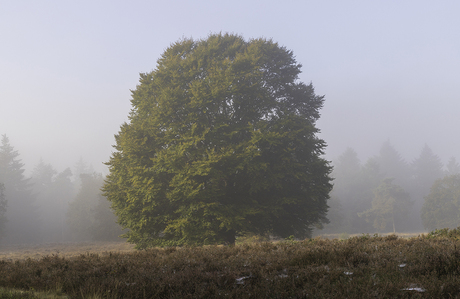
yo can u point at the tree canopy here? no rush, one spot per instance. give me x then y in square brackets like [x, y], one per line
[221, 140]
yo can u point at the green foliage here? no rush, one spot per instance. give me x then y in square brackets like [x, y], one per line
[221, 141]
[391, 203]
[441, 208]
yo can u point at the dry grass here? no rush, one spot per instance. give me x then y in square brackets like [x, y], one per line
[67, 250]
[426, 266]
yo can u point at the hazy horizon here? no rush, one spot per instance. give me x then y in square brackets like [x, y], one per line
[388, 70]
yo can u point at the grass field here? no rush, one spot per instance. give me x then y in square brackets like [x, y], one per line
[37, 251]
[426, 266]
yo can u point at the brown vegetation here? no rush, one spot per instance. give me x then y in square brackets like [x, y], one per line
[359, 267]
[70, 249]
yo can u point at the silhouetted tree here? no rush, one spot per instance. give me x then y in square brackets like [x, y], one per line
[89, 216]
[346, 190]
[3, 205]
[392, 165]
[105, 227]
[221, 141]
[441, 208]
[23, 223]
[54, 192]
[452, 167]
[426, 169]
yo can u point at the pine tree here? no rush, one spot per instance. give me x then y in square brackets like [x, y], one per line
[54, 192]
[441, 208]
[452, 167]
[392, 165]
[3, 205]
[23, 223]
[426, 169]
[89, 216]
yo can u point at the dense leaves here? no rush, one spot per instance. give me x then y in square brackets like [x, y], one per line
[221, 140]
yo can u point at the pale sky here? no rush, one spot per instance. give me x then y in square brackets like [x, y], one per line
[388, 69]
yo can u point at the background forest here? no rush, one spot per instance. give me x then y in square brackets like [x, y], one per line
[51, 206]
[384, 194]
[389, 194]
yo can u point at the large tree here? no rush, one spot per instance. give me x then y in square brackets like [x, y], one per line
[221, 140]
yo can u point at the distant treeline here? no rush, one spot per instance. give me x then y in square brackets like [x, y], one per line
[384, 194]
[387, 194]
[51, 206]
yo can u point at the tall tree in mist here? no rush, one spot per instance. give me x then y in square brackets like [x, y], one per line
[221, 141]
[452, 167]
[426, 169]
[81, 167]
[441, 208]
[23, 222]
[389, 206]
[347, 184]
[392, 165]
[89, 216]
[54, 192]
[81, 212]
[3, 204]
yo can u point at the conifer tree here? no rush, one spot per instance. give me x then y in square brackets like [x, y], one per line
[54, 192]
[3, 205]
[426, 169]
[221, 141]
[392, 165]
[441, 208]
[23, 222]
[452, 167]
[89, 216]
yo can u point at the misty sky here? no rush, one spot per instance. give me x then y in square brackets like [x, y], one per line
[388, 69]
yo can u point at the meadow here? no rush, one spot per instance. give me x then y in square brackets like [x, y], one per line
[425, 266]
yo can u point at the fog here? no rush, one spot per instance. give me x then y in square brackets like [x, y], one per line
[389, 70]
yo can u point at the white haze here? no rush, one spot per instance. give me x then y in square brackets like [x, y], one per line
[388, 69]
